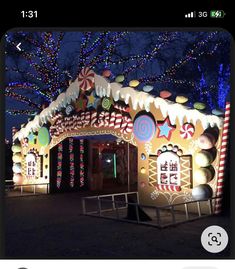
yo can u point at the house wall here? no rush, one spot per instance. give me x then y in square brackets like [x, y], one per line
[149, 191]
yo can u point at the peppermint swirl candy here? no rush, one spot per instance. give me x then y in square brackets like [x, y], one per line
[144, 128]
[86, 79]
[187, 131]
[106, 103]
[69, 109]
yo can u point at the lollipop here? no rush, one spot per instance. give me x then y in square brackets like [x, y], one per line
[144, 128]
[86, 79]
[187, 131]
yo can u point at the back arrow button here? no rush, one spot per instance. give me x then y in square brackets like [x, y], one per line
[18, 46]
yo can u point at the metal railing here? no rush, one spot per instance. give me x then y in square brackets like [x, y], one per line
[27, 189]
[105, 198]
[161, 216]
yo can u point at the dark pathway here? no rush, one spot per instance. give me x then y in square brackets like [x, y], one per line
[51, 226]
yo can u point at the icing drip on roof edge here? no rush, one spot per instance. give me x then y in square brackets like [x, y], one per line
[115, 90]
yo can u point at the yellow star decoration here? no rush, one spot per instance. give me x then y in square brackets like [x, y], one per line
[91, 99]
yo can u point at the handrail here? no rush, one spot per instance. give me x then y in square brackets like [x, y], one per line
[10, 188]
[152, 206]
[107, 195]
[172, 207]
[24, 185]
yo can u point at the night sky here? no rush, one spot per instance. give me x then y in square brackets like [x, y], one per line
[186, 63]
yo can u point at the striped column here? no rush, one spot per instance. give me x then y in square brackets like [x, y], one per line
[223, 153]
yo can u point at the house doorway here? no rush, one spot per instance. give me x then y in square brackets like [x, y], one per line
[101, 164]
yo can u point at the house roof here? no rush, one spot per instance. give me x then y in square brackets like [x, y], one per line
[138, 99]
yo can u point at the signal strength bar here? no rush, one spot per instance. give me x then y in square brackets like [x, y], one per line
[191, 14]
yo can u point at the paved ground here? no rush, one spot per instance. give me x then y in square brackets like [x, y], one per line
[51, 226]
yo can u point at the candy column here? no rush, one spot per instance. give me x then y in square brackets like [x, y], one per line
[223, 153]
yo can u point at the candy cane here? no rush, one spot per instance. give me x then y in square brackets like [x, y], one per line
[118, 121]
[122, 108]
[123, 125]
[106, 119]
[100, 122]
[129, 126]
[112, 119]
[223, 151]
[87, 119]
[93, 118]
[74, 121]
[79, 122]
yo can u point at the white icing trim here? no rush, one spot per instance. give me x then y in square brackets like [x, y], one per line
[142, 100]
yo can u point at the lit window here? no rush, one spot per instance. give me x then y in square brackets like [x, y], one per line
[31, 163]
[168, 167]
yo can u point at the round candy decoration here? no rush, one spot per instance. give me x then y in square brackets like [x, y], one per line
[165, 94]
[69, 109]
[43, 136]
[17, 178]
[202, 175]
[142, 170]
[17, 158]
[106, 103]
[187, 131]
[143, 157]
[206, 141]
[16, 148]
[134, 83]
[203, 158]
[106, 73]
[16, 168]
[199, 105]
[120, 78]
[180, 99]
[144, 128]
[217, 112]
[170, 147]
[86, 79]
[180, 152]
[147, 88]
[201, 192]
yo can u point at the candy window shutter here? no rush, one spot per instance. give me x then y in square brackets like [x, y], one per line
[186, 172]
[152, 170]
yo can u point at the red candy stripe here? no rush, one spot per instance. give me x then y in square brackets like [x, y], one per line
[168, 188]
[223, 151]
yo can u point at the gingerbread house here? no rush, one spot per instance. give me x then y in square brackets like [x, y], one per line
[180, 149]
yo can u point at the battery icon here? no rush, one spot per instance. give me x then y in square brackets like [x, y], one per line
[217, 13]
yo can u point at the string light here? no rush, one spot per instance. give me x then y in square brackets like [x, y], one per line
[17, 112]
[190, 55]
[163, 39]
[82, 173]
[59, 165]
[21, 98]
[223, 85]
[47, 79]
[82, 59]
[71, 162]
[107, 51]
[97, 50]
